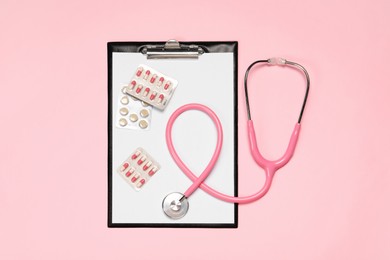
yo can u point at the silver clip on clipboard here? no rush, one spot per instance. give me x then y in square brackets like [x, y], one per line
[172, 49]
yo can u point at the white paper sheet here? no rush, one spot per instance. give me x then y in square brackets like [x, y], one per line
[208, 81]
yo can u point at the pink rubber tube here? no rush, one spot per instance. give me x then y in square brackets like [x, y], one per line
[269, 167]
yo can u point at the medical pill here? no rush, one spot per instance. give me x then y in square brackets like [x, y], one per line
[147, 73]
[130, 172]
[144, 113]
[143, 124]
[124, 90]
[147, 165]
[167, 85]
[140, 183]
[133, 118]
[144, 103]
[135, 155]
[125, 100]
[153, 96]
[141, 160]
[122, 122]
[160, 81]
[160, 98]
[136, 176]
[132, 84]
[124, 166]
[139, 88]
[139, 71]
[153, 79]
[152, 171]
[146, 92]
[123, 111]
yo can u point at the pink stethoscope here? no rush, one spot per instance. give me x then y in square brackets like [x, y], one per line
[175, 205]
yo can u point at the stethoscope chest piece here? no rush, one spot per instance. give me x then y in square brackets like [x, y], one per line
[175, 205]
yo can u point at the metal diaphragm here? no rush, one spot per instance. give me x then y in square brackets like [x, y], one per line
[175, 205]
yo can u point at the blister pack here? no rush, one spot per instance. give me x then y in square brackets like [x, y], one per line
[132, 113]
[151, 87]
[138, 169]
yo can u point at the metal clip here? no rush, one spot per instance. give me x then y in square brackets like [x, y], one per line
[172, 49]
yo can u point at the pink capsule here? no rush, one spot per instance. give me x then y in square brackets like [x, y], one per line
[132, 84]
[139, 71]
[153, 79]
[153, 96]
[160, 98]
[130, 172]
[146, 92]
[124, 167]
[147, 73]
[160, 81]
[147, 165]
[135, 177]
[167, 85]
[139, 88]
[140, 183]
[135, 155]
[152, 171]
[141, 160]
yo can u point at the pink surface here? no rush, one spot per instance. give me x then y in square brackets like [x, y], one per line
[330, 202]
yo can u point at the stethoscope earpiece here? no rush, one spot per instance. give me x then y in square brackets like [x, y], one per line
[278, 62]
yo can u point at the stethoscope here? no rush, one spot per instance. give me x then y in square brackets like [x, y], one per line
[175, 205]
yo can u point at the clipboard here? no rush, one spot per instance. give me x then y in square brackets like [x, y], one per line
[207, 74]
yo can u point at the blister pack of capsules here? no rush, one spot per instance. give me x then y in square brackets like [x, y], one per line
[138, 169]
[151, 87]
[132, 113]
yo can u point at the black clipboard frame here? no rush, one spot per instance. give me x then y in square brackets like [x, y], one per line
[208, 47]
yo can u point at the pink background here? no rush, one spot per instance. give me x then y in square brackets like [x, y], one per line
[330, 202]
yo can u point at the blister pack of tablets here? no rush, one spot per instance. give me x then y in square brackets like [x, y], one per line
[151, 87]
[132, 113]
[138, 169]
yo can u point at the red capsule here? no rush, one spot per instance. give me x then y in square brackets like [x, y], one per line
[141, 160]
[167, 85]
[160, 81]
[135, 177]
[139, 88]
[152, 171]
[130, 172]
[132, 84]
[124, 167]
[147, 73]
[146, 92]
[140, 183]
[135, 155]
[147, 165]
[153, 96]
[153, 79]
[139, 71]
[160, 98]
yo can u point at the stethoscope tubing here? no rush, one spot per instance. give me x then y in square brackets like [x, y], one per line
[198, 182]
[270, 167]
